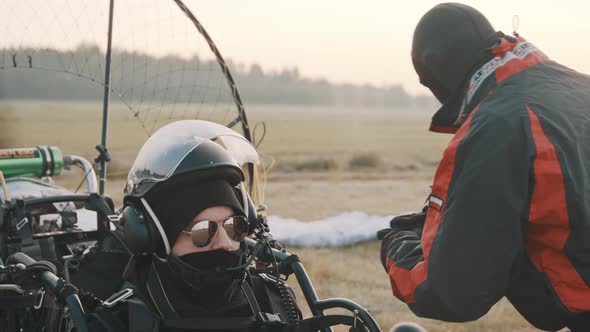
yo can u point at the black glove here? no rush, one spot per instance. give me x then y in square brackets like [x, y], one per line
[382, 233]
[409, 222]
[413, 222]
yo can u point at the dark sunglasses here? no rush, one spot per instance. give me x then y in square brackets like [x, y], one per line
[202, 231]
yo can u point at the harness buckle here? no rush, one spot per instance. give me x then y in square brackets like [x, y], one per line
[114, 218]
[268, 317]
[39, 302]
[118, 297]
[22, 223]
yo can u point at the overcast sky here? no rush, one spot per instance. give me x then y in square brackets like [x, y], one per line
[370, 41]
[342, 41]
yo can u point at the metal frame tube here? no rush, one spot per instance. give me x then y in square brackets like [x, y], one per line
[55, 199]
[362, 313]
[308, 291]
[12, 287]
[4, 188]
[53, 282]
[89, 173]
[316, 305]
[106, 98]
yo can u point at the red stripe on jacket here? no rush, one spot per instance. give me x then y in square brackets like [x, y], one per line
[515, 65]
[549, 226]
[403, 281]
[443, 130]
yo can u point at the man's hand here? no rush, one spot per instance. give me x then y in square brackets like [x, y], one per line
[413, 222]
[403, 227]
[409, 222]
[382, 233]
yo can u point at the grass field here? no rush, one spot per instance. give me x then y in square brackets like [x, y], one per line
[326, 161]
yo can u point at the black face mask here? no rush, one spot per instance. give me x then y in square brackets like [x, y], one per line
[205, 272]
[209, 260]
[438, 89]
[203, 283]
[427, 79]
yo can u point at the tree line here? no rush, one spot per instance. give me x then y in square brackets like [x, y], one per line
[77, 75]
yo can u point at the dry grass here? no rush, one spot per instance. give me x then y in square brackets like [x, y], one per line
[407, 157]
[365, 160]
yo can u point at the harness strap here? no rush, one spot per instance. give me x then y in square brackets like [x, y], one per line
[171, 319]
[159, 297]
[249, 293]
[23, 224]
[47, 246]
[255, 307]
[141, 318]
[107, 321]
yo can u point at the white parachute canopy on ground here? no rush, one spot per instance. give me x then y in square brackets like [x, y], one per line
[337, 231]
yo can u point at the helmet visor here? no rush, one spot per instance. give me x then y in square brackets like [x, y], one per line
[164, 151]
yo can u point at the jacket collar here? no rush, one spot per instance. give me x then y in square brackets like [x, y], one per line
[511, 56]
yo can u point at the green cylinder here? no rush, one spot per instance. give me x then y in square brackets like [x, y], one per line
[39, 161]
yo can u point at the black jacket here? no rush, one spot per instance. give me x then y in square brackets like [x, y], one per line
[148, 312]
[509, 213]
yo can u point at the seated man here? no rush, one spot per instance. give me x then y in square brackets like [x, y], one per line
[185, 218]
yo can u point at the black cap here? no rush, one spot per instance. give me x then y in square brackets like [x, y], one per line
[450, 42]
[177, 205]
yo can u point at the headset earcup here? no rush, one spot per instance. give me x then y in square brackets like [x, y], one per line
[135, 230]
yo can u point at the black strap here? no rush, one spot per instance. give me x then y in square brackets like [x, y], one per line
[141, 318]
[48, 248]
[278, 296]
[249, 293]
[171, 319]
[23, 224]
[255, 307]
[106, 320]
[159, 297]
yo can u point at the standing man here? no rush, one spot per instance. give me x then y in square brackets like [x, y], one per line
[509, 212]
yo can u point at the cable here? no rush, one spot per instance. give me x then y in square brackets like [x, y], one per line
[254, 140]
[288, 301]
